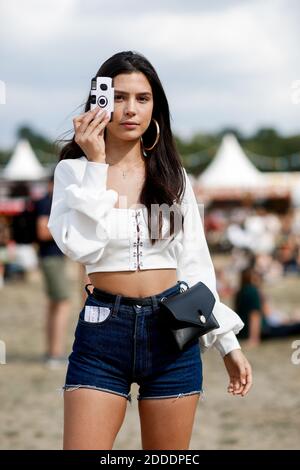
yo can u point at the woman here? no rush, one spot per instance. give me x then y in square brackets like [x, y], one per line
[133, 261]
[261, 321]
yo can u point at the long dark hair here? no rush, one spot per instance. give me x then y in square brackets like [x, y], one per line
[164, 182]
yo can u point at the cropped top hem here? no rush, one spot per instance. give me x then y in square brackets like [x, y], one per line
[91, 269]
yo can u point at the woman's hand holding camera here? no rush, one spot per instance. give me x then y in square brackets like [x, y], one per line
[89, 134]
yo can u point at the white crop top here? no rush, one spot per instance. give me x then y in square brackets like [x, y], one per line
[89, 229]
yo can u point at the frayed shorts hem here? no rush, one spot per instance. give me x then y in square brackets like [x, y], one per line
[178, 395]
[70, 388]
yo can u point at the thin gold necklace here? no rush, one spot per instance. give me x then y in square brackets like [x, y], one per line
[124, 173]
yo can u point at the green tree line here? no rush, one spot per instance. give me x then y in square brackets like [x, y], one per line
[266, 148]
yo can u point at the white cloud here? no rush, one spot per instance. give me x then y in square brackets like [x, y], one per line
[34, 22]
[221, 62]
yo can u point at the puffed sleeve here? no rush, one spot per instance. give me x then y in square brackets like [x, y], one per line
[194, 265]
[79, 210]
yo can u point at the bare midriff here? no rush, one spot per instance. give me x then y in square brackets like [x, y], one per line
[141, 283]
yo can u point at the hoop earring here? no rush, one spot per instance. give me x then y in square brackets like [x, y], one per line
[155, 142]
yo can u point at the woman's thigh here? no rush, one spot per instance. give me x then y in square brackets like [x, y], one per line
[167, 423]
[92, 418]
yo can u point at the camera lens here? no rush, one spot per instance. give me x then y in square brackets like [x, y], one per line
[102, 101]
[93, 99]
[103, 86]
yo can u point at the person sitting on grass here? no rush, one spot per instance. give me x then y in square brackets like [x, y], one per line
[261, 322]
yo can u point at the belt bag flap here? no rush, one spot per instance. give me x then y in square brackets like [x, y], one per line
[194, 306]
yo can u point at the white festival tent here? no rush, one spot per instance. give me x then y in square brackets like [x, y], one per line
[231, 169]
[23, 164]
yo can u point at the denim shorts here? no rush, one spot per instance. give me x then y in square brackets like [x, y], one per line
[122, 340]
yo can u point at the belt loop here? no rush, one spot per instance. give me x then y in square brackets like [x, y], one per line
[116, 305]
[154, 301]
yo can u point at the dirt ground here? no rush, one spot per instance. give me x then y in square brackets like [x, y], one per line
[31, 412]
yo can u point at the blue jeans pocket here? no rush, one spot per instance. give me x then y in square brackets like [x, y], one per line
[93, 327]
[95, 313]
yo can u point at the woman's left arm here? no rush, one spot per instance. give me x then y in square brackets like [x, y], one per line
[239, 371]
[194, 265]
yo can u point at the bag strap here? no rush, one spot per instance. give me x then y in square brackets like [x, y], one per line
[88, 290]
[183, 282]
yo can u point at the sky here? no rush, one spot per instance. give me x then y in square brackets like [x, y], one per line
[222, 63]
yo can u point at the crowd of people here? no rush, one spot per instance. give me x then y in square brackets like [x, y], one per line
[26, 244]
[273, 238]
[264, 248]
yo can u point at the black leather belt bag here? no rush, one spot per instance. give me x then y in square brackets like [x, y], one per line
[189, 313]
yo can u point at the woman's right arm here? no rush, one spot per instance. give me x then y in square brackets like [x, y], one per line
[78, 218]
[79, 211]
